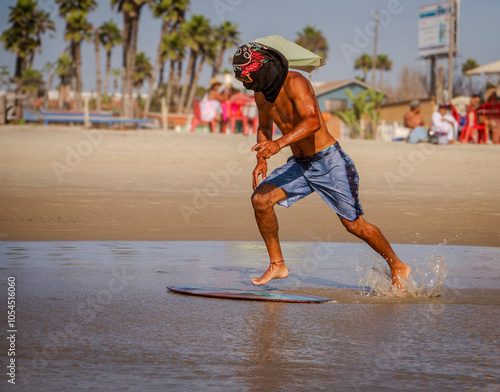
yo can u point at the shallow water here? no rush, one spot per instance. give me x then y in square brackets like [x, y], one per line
[97, 315]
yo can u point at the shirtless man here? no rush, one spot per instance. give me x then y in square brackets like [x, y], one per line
[318, 163]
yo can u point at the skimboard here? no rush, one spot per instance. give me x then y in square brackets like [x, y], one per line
[247, 295]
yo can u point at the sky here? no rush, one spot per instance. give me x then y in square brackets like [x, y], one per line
[339, 20]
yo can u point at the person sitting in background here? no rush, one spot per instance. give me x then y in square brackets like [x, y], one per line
[443, 123]
[210, 105]
[475, 101]
[413, 119]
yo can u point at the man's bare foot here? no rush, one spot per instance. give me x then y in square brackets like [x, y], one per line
[277, 270]
[399, 274]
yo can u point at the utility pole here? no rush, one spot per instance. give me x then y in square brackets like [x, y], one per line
[451, 48]
[375, 42]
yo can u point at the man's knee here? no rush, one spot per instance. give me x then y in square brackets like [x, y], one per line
[358, 227]
[262, 198]
[261, 201]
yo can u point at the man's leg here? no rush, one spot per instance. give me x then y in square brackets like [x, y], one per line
[374, 237]
[263, 200]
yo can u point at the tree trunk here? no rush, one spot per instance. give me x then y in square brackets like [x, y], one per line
[194, 85]
[217, 66]
[131, 68]
[78, 51]
[108, 69]
[381, 78]
[126, 44]
[98, 69]
[176, 87]
[49, 86]
[189, 71]
[171, 84]
[20, 65]
[164, 29]
[73, 76]
[160, 83]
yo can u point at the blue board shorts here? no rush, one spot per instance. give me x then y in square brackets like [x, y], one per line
[329, 172]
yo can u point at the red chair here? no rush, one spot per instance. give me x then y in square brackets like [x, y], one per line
[198, 121]
[238, 111]
[473, 132]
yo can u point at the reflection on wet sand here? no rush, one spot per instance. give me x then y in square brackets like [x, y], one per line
[105, 321]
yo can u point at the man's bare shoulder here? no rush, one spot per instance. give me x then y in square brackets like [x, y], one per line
[295, 78]
[296, 83]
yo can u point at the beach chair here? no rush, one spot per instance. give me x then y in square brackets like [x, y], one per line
[198, 121]
[238, 112]
[473, 132]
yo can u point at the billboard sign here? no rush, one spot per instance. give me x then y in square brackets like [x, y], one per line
[434, 27]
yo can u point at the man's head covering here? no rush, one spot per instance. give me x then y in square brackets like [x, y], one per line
[260, 68]
[414, 104]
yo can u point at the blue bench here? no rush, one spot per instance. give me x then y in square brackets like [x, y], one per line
[31, 115]
[48, 113]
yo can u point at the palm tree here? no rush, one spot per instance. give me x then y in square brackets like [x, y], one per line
[97, 48]
[64, 69]
[50, 70]
[466, 67]
[171, 11]
[313, 40]
[115, 72]
[227, 35]
[31, 82]
[383, 64]
[4, 77]
[197, 32]
[42, 23]
[143, 71]
[131, 10]
[77, 29]
[173, 49]
[365, 104]
[208, 52]
[28, 23]
[364, 62]
[109, 35]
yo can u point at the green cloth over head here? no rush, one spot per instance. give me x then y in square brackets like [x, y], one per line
[297, 56]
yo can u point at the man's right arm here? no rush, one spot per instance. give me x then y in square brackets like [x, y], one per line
[265, 129]
[264, 132]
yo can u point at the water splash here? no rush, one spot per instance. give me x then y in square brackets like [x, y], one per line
[426, 279]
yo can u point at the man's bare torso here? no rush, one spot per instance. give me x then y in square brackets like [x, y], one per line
[285, 115]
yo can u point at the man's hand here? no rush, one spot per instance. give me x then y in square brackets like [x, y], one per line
[260, 169]
[266, 149]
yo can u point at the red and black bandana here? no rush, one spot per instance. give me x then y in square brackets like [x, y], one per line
[260, 68]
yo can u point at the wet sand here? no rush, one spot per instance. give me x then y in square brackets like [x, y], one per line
[63, 183]
[97, 316]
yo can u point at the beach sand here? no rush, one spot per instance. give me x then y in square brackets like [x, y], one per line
[68, 183]
[117, 216]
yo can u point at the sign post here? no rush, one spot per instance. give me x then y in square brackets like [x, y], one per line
[437, 36]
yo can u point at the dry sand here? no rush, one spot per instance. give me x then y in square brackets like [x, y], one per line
[66, 183]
